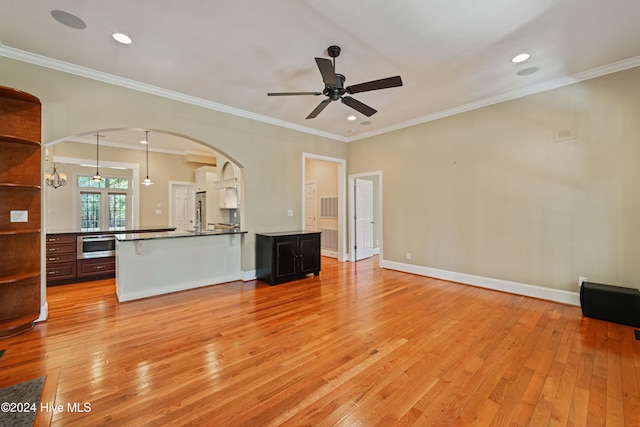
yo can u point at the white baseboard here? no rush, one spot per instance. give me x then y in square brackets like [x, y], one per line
[44, 312]
[248, 275]
[556, 295]
[329, 253]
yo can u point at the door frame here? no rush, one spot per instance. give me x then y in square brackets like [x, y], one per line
[315, 203]
[352, 220]
[342, 206]
[171, 185]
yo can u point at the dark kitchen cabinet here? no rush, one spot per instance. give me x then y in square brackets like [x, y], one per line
[61, 257]
[286, 256]
[97, 267]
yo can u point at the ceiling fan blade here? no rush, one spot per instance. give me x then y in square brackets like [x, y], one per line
[359, 106]
[375, 85]
[328, 73]
[319, 108]
[292, 93]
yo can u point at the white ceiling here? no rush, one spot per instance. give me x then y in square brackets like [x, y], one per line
[453, 55]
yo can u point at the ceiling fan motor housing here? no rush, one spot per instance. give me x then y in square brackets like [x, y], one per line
[334, 86]
[335, 92]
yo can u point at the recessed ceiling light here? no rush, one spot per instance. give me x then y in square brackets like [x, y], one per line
[71, 21]
[351, 118]
[122, 38]
[365, 123]
[520, 58]
[528, 71]
[353, 130]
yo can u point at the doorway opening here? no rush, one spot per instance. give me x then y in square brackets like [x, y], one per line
[324, 202]
[181, 203]
[365, 225]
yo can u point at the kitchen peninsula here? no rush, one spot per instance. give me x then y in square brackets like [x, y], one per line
[76, 256]
[149, 264]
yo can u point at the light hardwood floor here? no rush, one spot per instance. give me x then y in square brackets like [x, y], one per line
[356, 346]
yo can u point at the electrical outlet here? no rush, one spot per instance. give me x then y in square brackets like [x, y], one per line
[289, 212]
[582, 279]
[408, 255]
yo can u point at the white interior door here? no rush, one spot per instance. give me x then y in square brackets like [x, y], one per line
[310, 206]
[364, 218]
[183, 203]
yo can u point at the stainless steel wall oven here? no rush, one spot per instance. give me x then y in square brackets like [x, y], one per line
[96, 246]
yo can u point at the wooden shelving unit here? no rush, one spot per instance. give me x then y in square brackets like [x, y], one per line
[20, 206]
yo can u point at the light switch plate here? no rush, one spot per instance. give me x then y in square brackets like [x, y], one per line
[19, 216]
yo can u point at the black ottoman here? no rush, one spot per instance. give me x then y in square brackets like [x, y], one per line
[611, 303]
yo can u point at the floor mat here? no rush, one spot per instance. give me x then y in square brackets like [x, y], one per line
[20, 403]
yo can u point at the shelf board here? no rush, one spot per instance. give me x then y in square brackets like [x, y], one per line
[4, 280]
[17, 140]
[11, 93]
[15, 232]
[11, 327]
[20, 186]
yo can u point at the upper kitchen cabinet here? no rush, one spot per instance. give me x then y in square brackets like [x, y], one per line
[228, 188]
[20, 181]
[206, 176]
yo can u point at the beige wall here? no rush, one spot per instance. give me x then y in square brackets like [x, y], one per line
[487, 192]
[490, 193]
[270, 156]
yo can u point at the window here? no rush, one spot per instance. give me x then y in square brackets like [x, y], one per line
[104, 205]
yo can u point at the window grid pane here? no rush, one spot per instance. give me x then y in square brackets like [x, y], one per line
[87, 182]
[90, 211]
[120, 183]
[117, 211]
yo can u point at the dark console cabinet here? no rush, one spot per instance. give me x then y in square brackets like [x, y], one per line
[286, 256]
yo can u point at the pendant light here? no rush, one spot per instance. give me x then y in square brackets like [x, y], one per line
[147, 181]
[97, 177]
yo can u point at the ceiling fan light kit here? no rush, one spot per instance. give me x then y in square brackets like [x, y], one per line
[334, 86]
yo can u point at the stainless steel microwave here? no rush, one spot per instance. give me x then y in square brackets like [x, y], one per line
[96, 246]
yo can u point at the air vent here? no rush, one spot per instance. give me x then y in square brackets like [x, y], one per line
[329, 207]
[329, 239]
[563, 135]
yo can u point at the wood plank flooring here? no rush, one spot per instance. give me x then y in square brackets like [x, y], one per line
[356, 346]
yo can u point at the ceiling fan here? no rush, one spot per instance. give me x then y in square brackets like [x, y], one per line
[334, 86]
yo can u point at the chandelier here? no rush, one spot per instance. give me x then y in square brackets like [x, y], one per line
[55, 179]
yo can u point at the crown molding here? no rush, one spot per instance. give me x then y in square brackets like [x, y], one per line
[66, 67]
[138, 147]
[511, 95]
[100, 76]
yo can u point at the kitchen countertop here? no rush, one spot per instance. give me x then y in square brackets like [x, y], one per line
[287, 233]
[157, 228]
[124, 237]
